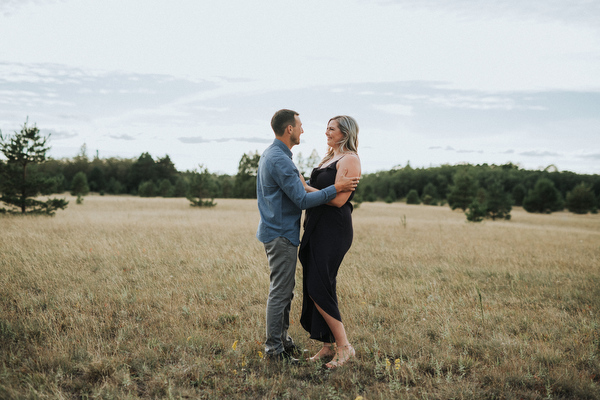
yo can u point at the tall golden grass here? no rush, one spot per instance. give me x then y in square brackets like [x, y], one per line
[124, 297]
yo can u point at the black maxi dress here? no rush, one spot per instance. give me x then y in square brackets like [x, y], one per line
[326, 239]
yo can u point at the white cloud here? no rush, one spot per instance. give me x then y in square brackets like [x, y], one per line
[395, 109]
[591, 156]
[58, 135]
[200, 139]
[475, 101]
[539, 153]
[578, 11]
[122, 137]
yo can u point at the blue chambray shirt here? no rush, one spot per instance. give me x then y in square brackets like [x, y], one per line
[281, 195]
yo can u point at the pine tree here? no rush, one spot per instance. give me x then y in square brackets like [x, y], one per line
[581, 199]
[79, 186]
[201, 186]
[498, 202]
[430, 194]
[544, 198]
[19, 182]
[463, 191]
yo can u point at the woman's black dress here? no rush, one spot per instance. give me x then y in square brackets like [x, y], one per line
[327, 237]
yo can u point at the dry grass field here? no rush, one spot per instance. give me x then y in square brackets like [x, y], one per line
[124, 297]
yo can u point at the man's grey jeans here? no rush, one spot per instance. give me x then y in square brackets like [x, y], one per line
[282, 256]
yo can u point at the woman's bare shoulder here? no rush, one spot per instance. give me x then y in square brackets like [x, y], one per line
[350, 161]
[351, 158]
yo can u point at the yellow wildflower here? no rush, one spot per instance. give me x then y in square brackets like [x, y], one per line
[234, 345]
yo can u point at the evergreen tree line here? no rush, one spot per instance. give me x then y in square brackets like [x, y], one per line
[454, 185]
[484, 190]
[143, 176]
[26, 172]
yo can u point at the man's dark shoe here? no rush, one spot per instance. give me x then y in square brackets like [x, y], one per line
[282, 357]
[293, 350]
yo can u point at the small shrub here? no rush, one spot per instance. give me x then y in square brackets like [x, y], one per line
[581, 199]
[147, 189]
[413, 197]
[165, 188]
[428, 200]
[201, 203]
[476, 212]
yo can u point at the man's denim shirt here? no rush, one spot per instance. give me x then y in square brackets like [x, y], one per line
[281, 195]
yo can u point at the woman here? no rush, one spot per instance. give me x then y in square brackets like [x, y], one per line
[326, 239]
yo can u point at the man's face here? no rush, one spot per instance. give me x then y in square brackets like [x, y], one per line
[296, 132]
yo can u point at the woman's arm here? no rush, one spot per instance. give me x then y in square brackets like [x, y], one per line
[351, 163]
[306, 186]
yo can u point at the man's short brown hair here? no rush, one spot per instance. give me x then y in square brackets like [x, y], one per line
[281, 119]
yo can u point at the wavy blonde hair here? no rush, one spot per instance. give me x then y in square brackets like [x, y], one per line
[349, 143]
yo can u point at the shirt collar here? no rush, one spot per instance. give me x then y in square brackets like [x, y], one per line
[283, 147]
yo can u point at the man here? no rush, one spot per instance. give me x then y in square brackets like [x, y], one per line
[281, 199]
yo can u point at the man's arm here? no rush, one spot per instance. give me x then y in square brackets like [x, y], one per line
[287, 177]
[342, 183]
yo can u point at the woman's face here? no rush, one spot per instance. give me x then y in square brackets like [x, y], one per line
[333, 133]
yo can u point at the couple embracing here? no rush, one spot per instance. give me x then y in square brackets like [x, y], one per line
[282, 195]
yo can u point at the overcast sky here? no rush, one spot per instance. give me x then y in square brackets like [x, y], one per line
[429, 81]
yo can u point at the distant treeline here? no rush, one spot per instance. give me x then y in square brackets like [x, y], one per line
[148, 177]
[447, 183]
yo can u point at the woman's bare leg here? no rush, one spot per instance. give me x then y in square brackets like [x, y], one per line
[344, 350]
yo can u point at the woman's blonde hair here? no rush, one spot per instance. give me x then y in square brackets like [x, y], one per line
[349, 143]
